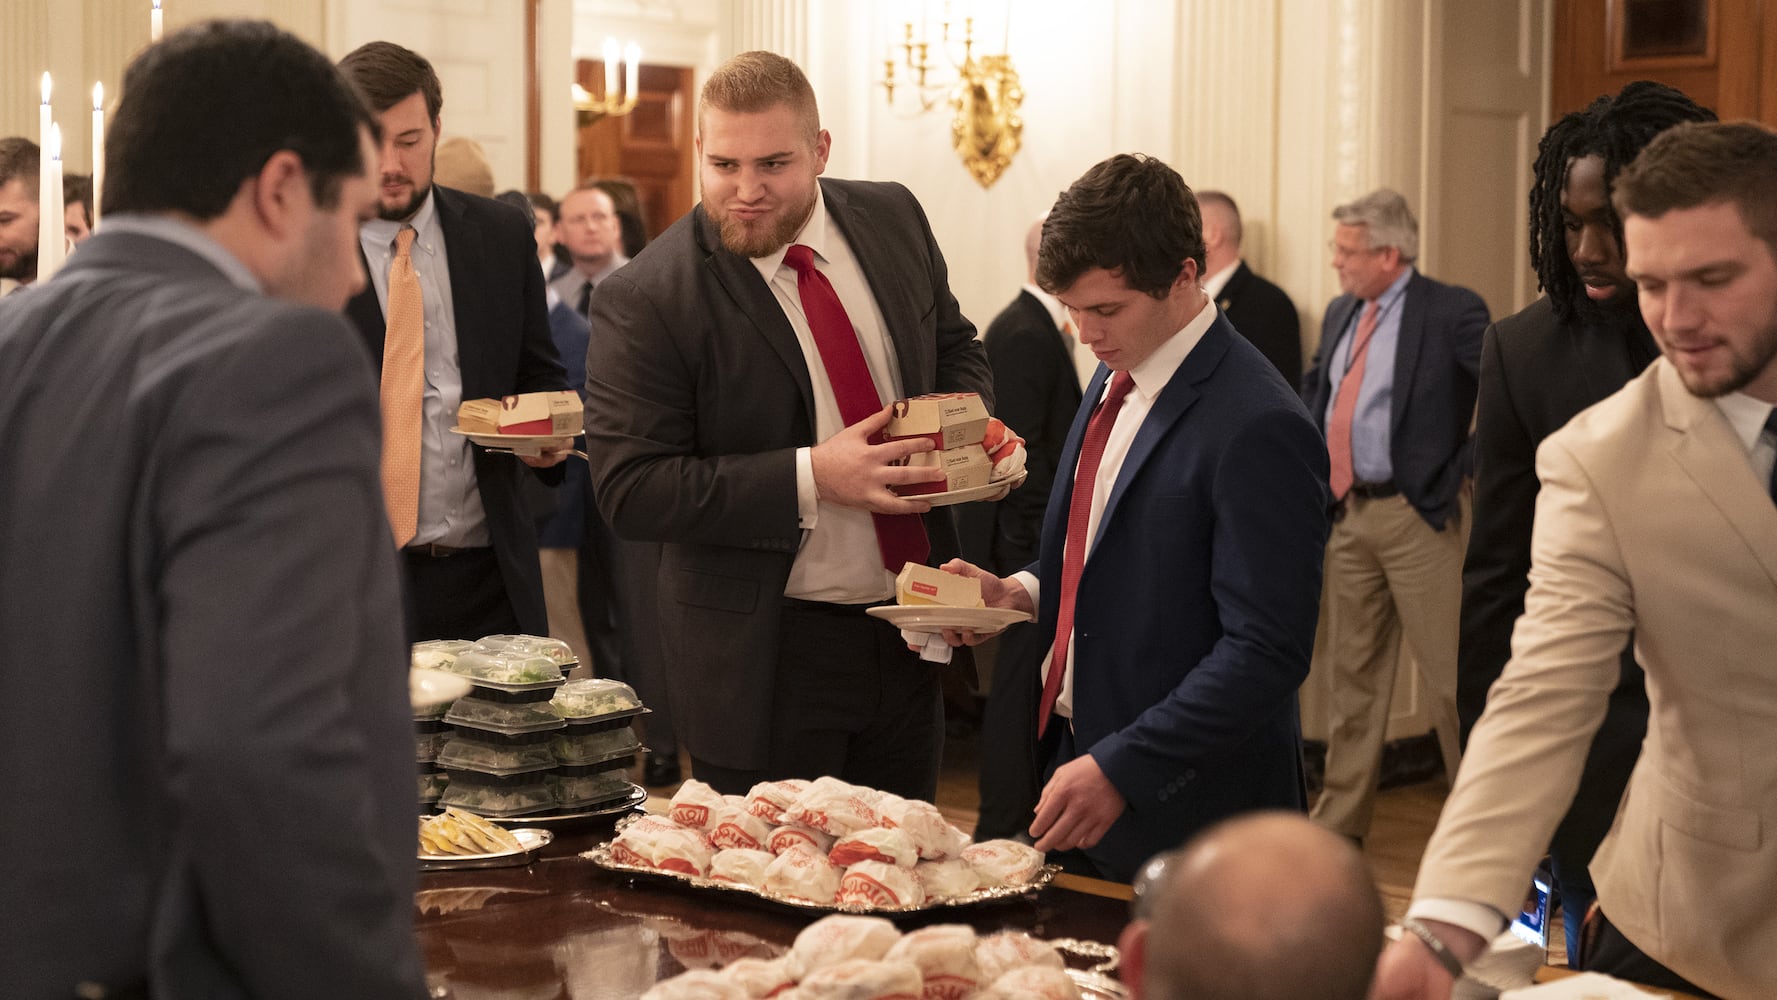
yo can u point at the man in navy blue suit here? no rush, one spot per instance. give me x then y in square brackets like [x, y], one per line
[1393, 387]
[1179, 570]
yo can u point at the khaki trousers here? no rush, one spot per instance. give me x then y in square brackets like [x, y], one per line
[1387, 573]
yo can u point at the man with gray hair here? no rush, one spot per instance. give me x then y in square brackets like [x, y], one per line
[1393, 389]
[1215, 922]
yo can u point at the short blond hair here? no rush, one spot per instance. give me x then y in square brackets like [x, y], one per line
[759, 81]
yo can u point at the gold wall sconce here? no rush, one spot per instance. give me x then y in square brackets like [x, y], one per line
[983, 93]
[618, 99]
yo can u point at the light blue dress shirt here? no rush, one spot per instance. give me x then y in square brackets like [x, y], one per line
[450, 499]
[1370, 458]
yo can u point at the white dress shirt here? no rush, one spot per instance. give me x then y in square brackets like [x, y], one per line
[839, 561]
[1150, 376]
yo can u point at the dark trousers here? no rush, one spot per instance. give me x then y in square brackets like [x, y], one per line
[457, 596]
[636, 570]
[1011, 771]
[850, 701]
[1606, 950]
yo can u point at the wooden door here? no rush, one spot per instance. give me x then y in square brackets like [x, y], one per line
[650, 146]
[1723, 53]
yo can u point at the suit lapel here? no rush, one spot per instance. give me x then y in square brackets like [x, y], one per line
[468, 271]
[882, 271]
[1168, 407]
[1231, 291]
[1704, 447]
[1406, 351]
[366, 312]
[754, 303]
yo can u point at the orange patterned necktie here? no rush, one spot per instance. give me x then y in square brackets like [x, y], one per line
[403, 391]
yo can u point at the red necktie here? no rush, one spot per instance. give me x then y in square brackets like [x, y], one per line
[1073, 555]
[900, 537]
[1345, 405]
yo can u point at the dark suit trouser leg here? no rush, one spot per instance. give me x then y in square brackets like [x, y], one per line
[637, 577]
[460, 596]
[1011, 775]
[598, 595]
[1606, 950]
[851, 701]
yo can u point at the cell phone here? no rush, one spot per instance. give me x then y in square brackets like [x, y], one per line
[1532, 924]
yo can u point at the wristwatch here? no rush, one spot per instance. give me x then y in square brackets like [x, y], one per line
[1439, 950]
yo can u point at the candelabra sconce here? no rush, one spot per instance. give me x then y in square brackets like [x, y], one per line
[984, 96]
[618, 100]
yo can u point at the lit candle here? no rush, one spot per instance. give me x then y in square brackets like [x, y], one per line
[49, 210]
[154, 22]
[632, 55]
[98, 148]
[52, 240]
[610, 70]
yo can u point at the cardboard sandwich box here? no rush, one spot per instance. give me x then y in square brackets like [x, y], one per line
[949, 419]
[917, 584]
[964, 468]
[556, 414]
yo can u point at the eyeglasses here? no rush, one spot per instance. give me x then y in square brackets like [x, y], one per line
[1344, 253]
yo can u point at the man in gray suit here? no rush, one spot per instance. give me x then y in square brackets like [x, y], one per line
[738, 376]
[204, 715]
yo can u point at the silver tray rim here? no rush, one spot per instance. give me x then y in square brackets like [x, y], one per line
[531, 841]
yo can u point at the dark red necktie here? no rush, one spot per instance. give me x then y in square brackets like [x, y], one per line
[1073, 555]
[900, 537]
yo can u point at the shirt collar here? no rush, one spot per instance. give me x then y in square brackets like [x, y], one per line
[813, 235]
[381, 232]
[1057, 311]
[1746, 416]
[191, 238]
[1152, 375]
[1213, 285]
[1393, 293]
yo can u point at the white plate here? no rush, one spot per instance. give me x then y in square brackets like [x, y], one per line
[529, 843]
[932, 617]
[428, 689]
[995, 490]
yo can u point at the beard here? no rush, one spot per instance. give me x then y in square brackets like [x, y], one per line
[1615, 311]
[23, 267]
[405, 210]
[763, 237]
[1743, 366]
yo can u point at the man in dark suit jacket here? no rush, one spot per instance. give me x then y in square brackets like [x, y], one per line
[714, 427]
[472, 562]
[1393, 389]
[1182, 609]
[209, 790]
[1580, 342]
[1036, 392]
[1258, 309]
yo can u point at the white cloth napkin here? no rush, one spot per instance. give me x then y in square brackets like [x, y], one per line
[1584, 986]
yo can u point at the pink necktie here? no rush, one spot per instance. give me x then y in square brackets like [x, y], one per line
[901, 538]
[1073, 554]
[1345, 406]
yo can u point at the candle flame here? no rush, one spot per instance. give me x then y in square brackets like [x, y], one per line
[98, 97]
[46, 88]
[55, 141]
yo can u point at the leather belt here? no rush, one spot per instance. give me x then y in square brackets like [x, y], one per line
[1373, 491]
[436, 551]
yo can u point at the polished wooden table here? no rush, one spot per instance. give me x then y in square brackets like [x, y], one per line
[565, 928]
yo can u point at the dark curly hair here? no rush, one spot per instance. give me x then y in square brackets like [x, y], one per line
[1615, 129]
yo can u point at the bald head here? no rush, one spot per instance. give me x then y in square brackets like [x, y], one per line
[1262, 907]
[1221, 230]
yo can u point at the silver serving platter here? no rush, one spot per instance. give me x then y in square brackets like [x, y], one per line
[601, 856]
[635, 797]
[529, 843]
[1097, 985]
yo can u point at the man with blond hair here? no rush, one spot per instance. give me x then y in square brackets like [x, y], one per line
[740, 369]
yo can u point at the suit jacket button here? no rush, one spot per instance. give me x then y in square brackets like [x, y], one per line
[1164, 792]
[1191, 775]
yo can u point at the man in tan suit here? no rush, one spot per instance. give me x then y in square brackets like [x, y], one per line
[1655, 515]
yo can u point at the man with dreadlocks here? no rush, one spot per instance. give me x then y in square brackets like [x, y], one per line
[1583, 340]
